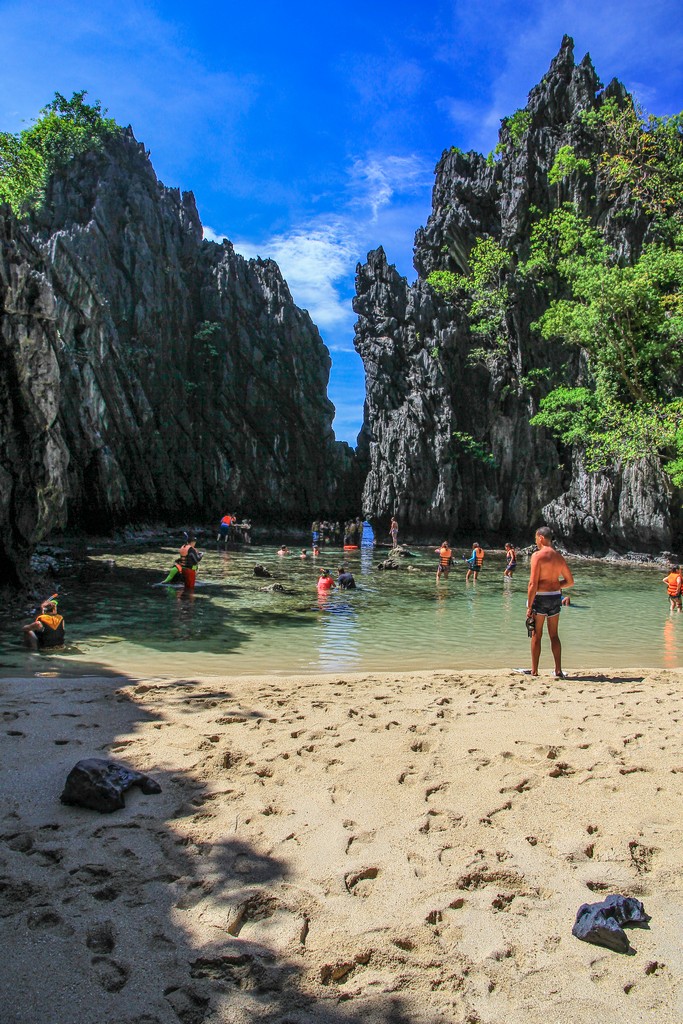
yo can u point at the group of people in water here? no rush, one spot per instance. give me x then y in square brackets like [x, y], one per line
[549, 576]
[231, 531]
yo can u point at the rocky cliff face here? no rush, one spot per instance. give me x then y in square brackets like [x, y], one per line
[148, 374]
[423, 387]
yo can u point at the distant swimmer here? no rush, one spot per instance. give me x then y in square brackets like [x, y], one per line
[510, 561]
[316, 551]
[284, 550]
[674, 584]
[325, 581]
[47, 630]
[549, 574]
[445, 560]
[345, 580]
[304, 553]
[475, 561]
[393, 531]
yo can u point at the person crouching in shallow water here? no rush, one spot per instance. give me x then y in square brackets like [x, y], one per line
[549, 574]
[345, 580]
[47, 630]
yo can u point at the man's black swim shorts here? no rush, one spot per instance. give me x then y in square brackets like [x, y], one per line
[547, 604]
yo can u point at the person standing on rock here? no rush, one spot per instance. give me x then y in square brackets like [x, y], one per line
[549, 574]
[393, 531]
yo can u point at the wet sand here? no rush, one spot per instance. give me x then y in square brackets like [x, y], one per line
[344, 848]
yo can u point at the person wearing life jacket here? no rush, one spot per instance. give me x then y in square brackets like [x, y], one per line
[674, 585]
[48, 628]
[325, 581]
[445, 560]
[475, 561]
[225, 528]
[188, 560]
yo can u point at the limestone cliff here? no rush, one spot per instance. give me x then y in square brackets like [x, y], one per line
[423, 388]
[148, 374]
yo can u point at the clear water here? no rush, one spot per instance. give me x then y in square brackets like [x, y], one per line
[118, 621]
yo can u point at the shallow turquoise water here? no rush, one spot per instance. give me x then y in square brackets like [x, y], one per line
[119, 622]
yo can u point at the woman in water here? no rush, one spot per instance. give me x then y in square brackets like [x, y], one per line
[325, 581]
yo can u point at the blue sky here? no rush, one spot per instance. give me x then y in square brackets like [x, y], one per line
[309, 132]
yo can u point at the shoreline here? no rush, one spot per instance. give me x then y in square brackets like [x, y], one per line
[343, 847]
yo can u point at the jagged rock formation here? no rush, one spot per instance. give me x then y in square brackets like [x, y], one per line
[148, 374]
[423, 387]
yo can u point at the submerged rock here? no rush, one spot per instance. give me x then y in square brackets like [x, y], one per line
[100, 784]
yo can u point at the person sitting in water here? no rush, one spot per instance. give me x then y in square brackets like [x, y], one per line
[47, 630]
[325, 581]
[510, 561]
[674, 585]
[304, 553]
[345, 580]
[284, 550]
[445, 560]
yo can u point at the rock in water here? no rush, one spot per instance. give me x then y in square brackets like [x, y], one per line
[100, 784]
[262, 572]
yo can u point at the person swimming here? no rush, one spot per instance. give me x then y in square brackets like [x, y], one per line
[284, 550]
[304, 553]
[47, 629]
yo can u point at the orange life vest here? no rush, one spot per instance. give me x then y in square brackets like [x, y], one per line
[480, 556]
[673, 584]
[445, 555]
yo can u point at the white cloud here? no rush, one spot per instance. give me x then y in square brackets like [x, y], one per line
[318, 257]
[212, 236]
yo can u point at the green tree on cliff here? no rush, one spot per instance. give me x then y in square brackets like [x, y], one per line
[63, 130]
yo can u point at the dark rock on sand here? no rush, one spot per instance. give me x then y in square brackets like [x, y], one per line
[601, 923]
[100, 784]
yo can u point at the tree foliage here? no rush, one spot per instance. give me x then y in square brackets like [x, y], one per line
[63, 130]
[566, 163]
[641, 153]
[629, 322]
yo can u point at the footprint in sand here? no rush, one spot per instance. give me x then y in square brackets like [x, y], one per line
[358, 883]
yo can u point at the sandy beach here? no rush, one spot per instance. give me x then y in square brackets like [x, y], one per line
[343, 848]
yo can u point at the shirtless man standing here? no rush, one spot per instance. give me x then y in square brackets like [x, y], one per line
[549, 574]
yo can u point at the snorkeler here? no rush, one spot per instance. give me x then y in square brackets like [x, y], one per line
[325, 581]
[47, 630]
